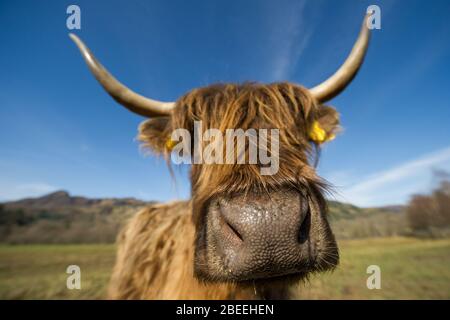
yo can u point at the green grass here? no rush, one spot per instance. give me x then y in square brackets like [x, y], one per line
[410, 269]
[39, 271]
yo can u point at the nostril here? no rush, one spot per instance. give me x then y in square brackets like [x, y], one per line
[233, 231]
[303, 232]
[229, 230]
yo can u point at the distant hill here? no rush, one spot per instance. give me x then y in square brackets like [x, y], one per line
[62, 199]
[62, 218]
[340, 210]
[349, 221]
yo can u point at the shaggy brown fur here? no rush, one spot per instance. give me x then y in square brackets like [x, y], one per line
[154, 259]
[156, 249]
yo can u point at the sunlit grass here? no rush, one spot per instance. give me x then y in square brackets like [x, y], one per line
[410, 269]
[39, 271]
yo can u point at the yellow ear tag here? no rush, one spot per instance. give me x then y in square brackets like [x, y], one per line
[170, 144]
[318, 135]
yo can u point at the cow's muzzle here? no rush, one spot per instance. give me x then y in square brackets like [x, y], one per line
[264, 235]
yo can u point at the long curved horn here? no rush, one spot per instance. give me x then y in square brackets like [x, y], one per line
[345, 74]
[131, 100]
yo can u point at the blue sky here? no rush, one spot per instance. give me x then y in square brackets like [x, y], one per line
[59, 130]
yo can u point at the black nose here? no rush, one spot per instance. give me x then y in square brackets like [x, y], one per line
[263, 235]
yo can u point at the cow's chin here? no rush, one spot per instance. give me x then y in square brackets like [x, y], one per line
[291, 239]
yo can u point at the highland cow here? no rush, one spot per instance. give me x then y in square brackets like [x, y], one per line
[242, 235]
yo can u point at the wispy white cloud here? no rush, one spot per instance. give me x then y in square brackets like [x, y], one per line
[395, 185]
[290, 38]
[18, 191]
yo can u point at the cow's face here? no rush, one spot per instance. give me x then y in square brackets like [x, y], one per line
[250, 225]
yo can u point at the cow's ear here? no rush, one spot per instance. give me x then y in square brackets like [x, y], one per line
[153, 134]
[326, 125]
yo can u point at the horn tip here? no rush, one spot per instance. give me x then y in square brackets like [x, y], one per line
[81, 46]
[365, 20]
[73, 36]
[76, 39]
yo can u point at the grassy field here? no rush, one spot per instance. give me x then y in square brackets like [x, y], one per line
[410, 269]
[39, 271]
